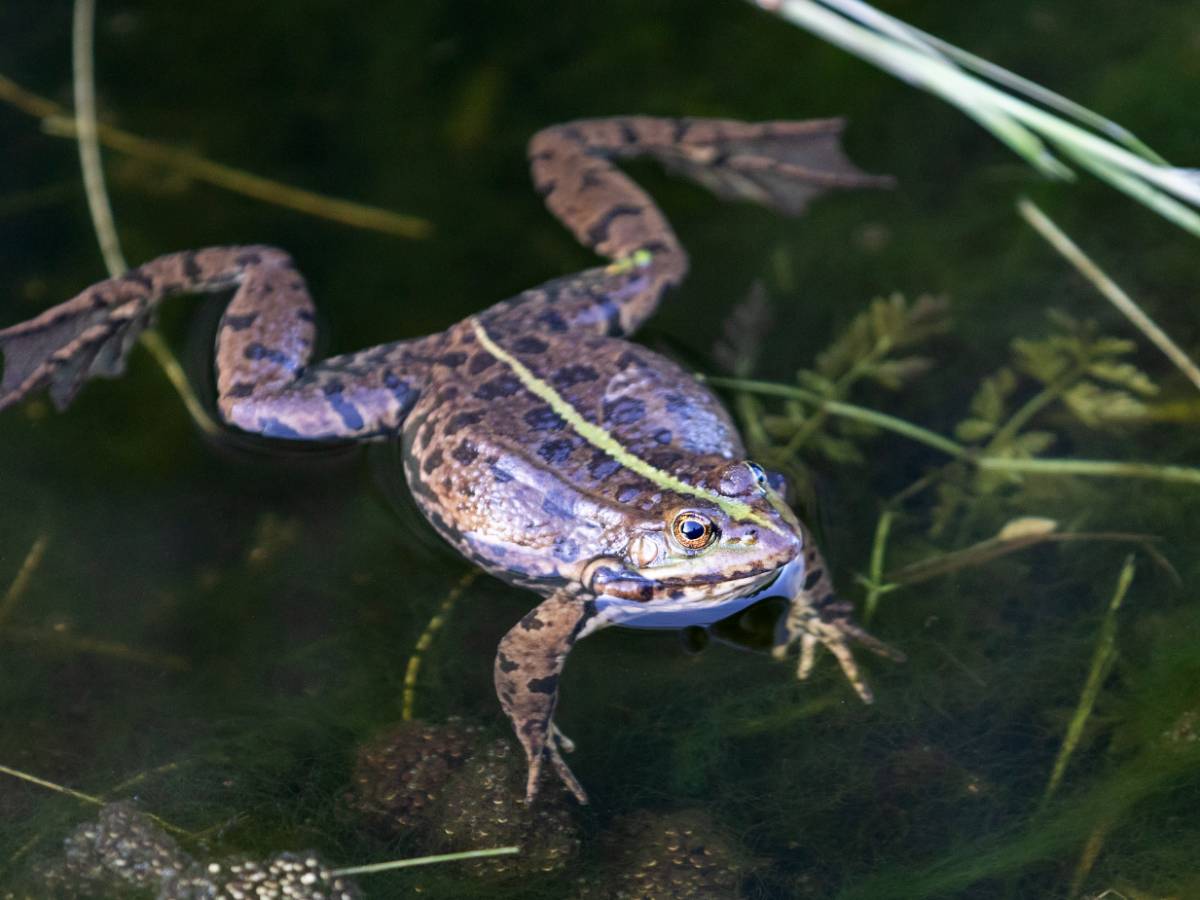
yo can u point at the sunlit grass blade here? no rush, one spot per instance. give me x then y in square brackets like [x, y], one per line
[1111, 291]
[890, 25]
[1033, 132]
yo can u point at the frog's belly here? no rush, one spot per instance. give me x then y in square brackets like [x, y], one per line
[684, 613]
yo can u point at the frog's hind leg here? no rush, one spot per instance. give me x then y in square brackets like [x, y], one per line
[264, 343]
[529, 661]
[779, 164]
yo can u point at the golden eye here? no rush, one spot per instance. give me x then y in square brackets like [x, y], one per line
[693, 531]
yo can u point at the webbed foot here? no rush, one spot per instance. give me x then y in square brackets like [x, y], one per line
[781, 165]
[829, 624]
[87, 337]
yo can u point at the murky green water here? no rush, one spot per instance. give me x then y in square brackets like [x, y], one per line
[233, 622]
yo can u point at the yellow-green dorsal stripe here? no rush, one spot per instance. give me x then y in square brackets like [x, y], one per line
[603, 440]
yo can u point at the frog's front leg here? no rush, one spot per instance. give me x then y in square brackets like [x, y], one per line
[815, 616]
[529, 661]
[265, 381]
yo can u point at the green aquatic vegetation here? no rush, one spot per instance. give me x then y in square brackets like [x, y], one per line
[1075, 370]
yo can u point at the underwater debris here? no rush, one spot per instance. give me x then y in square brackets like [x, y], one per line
[125, 849]
[673, 856]
[483, 805]
[400, 774]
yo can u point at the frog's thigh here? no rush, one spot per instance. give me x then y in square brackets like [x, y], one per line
[529, 661]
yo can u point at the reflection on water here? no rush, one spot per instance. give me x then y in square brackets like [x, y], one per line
[219, 632]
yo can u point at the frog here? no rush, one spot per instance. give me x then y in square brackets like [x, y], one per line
[537, 439]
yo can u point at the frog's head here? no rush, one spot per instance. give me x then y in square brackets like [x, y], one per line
[728, 536]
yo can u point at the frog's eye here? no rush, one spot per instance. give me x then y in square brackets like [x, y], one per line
[693, 531]
[757, 471]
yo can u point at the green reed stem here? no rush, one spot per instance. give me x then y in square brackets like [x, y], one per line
[1102, 660]
[1094, 468]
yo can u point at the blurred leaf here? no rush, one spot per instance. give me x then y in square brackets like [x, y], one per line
[1125, 375]
[1096, 407]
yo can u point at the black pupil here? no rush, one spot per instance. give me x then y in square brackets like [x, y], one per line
[691, 529]
[759, 475]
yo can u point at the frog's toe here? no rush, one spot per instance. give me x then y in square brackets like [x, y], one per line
[805, 625]
[565, 744]
[568, 777]
[552, 751]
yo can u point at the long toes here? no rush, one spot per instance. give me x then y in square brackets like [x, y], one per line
[873, 643]
[846, 660]
[568, 777]
[564, 743]
[808, 655]
[535, 775]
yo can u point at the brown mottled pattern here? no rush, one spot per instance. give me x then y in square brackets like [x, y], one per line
[496, 468]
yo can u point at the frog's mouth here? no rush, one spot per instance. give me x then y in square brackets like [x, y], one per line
[664, 611]
[609, 577]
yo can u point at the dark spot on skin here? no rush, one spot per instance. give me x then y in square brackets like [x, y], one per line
[506, 665]
[276, 429]
[257, 352]
[811, 556]
[432, 461]
[676, 594]
[529, 344]
[543, 418]
[624, 411]
[239, 323]
[547, 685]
[501, 386]
[461, 420]
[811, 579]
[248, 259]
[552, 507]
[627, 492]
[346, 410]
[531, 622]
[501, 476]
[545, 187]
[612, 316]
[191, 269]
[665, 460]
[465, 453]
[590, 178]
[452, 360]
[663, 435]
[569, 376]
[553, 321]
[404, 393]
[629, 358]
[306, 315]
[646, 592]
[446, 394]
[602, 465]
[137, 277]
[479, 362]
[598, 232]
[534, 726]
[241, 389]
[677, 403]
[556, 451]
[565, 549]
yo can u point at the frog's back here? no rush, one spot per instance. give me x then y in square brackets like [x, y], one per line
[485, 452]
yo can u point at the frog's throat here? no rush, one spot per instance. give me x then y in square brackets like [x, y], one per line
[603, 440]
